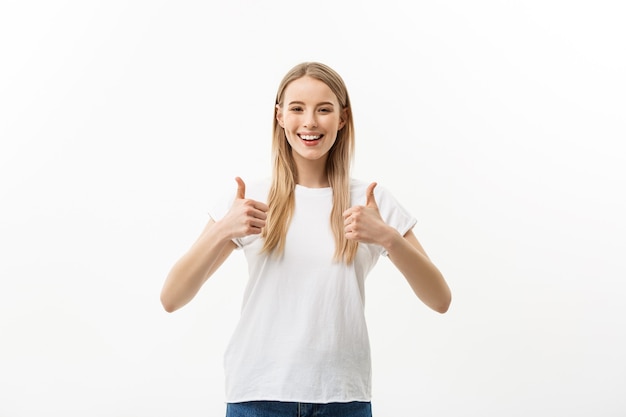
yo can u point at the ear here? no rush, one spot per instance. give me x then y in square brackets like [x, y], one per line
[279, 116]
[343, 118]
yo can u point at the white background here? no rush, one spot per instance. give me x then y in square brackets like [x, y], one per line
[499, 124]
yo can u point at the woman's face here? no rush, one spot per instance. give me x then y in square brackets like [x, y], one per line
[311, 116]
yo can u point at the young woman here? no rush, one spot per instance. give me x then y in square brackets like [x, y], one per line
[310, 235]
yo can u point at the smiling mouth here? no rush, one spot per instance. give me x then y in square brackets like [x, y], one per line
[310, 138]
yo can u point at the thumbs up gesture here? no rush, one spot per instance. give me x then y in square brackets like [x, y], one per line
[364, 223]
[246, 216]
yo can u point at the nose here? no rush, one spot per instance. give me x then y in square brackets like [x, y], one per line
[310, 121]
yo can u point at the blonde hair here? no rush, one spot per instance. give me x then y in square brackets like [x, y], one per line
[281, 198]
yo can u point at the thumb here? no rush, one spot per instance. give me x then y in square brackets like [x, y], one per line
[241, 188]
[370, 200]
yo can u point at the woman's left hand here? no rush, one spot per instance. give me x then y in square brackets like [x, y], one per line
[364, 223]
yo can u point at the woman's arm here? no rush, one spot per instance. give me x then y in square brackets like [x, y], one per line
[210, 250]
[423, 276]
[192, 270]
[365, 224]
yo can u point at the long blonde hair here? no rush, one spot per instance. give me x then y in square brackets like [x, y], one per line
[281, 198]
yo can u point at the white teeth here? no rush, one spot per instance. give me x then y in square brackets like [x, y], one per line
[310, 137]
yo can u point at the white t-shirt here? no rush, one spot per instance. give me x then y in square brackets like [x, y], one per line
[302, 334]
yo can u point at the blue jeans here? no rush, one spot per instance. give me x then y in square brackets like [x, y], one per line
[291, 409]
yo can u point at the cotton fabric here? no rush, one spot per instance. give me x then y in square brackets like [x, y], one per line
[302, 334]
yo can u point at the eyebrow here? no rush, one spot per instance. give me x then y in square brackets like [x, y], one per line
[324, 103]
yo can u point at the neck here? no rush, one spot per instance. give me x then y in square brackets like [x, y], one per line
[312, 174]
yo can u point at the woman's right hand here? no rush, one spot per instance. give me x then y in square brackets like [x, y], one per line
[210, 250]
[246, 216]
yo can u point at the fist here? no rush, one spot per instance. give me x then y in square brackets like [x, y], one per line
[364, 223]
[246, 216]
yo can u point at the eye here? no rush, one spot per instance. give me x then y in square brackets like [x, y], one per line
[295, 109]
[325, 110]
